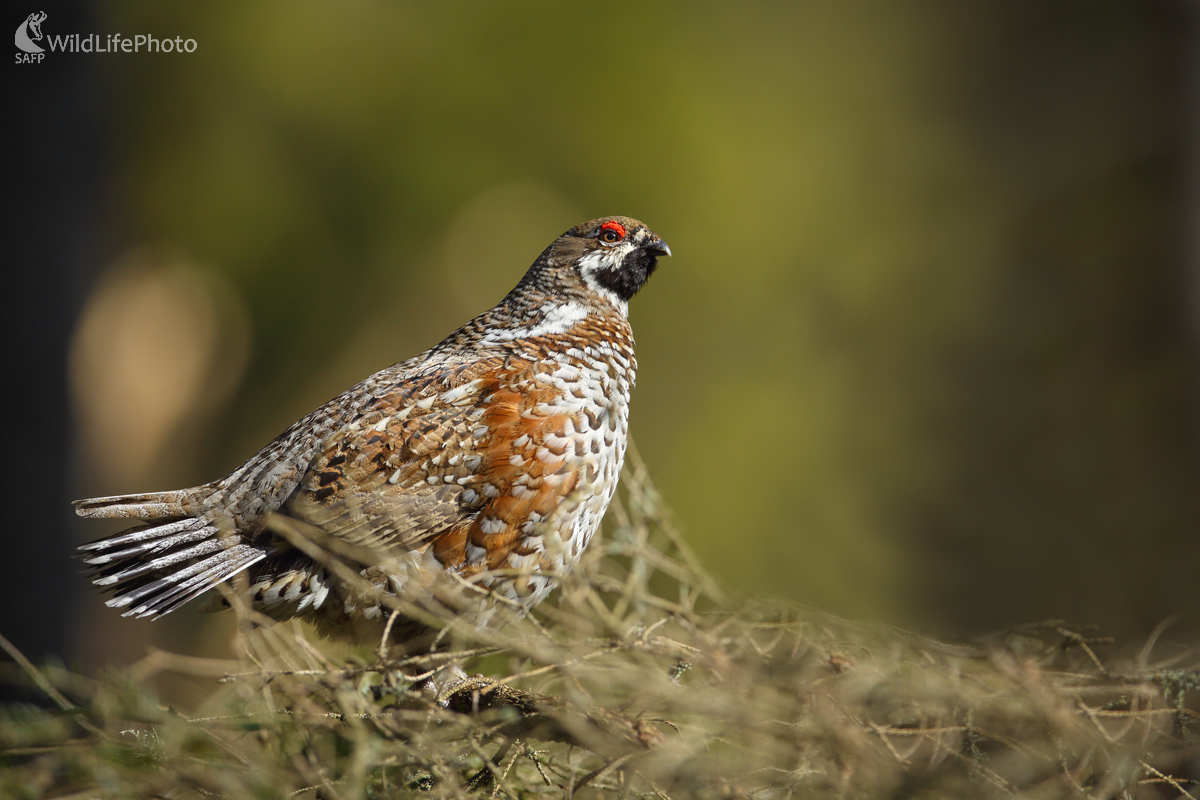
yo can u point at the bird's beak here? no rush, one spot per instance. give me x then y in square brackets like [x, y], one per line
[658, 246]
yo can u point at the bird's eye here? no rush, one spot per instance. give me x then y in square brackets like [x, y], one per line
[612, 232]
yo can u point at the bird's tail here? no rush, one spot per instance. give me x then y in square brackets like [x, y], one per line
[156, 505]
[177, 555]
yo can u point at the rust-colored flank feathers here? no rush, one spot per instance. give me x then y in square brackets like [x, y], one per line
[486, 461]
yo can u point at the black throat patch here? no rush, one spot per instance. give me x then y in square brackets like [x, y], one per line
[625, 280]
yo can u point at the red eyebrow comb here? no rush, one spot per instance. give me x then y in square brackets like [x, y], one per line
[614, 226]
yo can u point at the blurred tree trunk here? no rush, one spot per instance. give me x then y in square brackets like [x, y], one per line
[52, 215]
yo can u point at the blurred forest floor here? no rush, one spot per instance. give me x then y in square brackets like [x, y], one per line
[640, 680]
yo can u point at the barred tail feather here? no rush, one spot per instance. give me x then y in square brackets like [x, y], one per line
[155, 505]
[145, 539]
[158, 567]
[166, 594]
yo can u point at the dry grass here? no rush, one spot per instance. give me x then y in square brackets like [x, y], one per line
[638, 680]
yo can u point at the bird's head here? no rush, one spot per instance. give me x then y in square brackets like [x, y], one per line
[608, 258]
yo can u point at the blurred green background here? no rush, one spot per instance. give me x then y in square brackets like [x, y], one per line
[926, 351]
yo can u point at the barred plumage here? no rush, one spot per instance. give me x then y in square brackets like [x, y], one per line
[489, 458]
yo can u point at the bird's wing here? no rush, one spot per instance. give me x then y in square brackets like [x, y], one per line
[469, 462]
